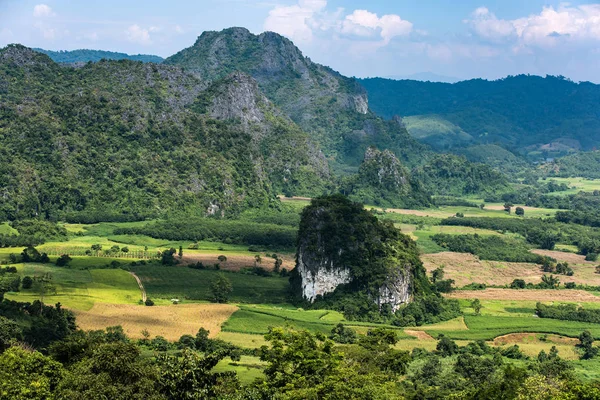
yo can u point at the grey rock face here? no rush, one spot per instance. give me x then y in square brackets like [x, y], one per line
[396, 290]
[320, 280]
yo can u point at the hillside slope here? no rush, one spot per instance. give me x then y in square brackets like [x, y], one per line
[142, 138]
[332, 108]
[86, 55]
[542, 117]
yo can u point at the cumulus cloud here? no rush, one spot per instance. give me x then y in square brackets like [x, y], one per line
[303, 20]
[546, 29]
[368, 24]
[139, 35]
[42, 11]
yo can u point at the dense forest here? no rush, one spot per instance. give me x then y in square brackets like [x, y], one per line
[540, 116]
[86, 55]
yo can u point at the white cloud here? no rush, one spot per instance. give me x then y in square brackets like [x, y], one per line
[548, 28]
[42, 11]
[139, 35]
[301, 21]
[178, 29]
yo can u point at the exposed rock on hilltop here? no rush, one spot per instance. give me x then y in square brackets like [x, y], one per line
[383, 180]
[345, 250]
[332, 108]
[142, 138]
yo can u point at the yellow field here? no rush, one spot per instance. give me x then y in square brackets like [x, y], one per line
[171, 321]
[543, 295]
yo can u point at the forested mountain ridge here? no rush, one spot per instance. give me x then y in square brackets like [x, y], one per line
[141, 138]
[87, 55]
[537, 116]
[330, 107]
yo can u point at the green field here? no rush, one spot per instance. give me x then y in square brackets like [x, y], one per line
[576, 185]
[80, 289]
[182, 282]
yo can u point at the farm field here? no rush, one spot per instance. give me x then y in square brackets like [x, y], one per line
[169, 321]
[465, 268]
[576, 185]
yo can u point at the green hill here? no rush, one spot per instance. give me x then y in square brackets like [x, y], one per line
[142, 138]
[86, 55]
[543, 117]
[332, 108]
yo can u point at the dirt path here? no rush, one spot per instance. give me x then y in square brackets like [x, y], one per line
[139, 282]
[421, 335]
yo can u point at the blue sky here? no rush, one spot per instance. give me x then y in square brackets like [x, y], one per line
[466, 39]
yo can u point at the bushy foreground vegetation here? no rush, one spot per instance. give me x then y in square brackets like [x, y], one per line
[295, 365]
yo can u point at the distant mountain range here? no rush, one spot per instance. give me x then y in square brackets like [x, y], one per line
[534, 116]
[425, 77]
[84, 55]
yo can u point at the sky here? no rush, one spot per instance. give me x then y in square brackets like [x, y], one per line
[462, 39]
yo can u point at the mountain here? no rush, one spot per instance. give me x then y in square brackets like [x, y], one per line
[142, 139]
[332, 108]
[85, 55]
[383, 181]
[539, 117]
[425, 77]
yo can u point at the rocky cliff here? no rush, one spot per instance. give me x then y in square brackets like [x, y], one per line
[343, 248]
[332, 108]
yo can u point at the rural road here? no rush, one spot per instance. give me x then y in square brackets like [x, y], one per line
[139, 282]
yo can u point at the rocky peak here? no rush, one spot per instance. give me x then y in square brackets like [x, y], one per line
[237, 97]
[384, 168]
[23, 56]
[335, 243]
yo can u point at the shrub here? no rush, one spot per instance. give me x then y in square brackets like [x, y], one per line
[63, 260]
[149, 302]
[27, 282]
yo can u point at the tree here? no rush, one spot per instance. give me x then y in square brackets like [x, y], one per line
[437, 274]
[168, 258]
[446, 347]
[520, 211]
[277, 266]
[476, 306]
[42, 285]
[518, 284]
[257, 259]
[10, 332]
[220, 289]
[125, 249]
[482, 206]
[180, 254]
[508, 207]
[586, 341]
[63, 260]
[28, 375]
[343, 334]
[27, 282]
[222, 258]
[97, 248]
[550, 281]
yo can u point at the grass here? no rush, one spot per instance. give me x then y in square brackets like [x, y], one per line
[576, 185]
[248, 369]
[6, 229]
[80, 289]
[182, 282]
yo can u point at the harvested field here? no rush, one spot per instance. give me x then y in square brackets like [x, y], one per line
[527, 295]
[519, 338]
[171, 322]
[466, 268]
[421, 335]
[562, 256]
[236, 262]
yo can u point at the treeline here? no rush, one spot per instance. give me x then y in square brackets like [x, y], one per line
[226, 231]
[568, 312]
[542, 233]
[32, 233]
[94, 217]
[587, 218]
[488, 247]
